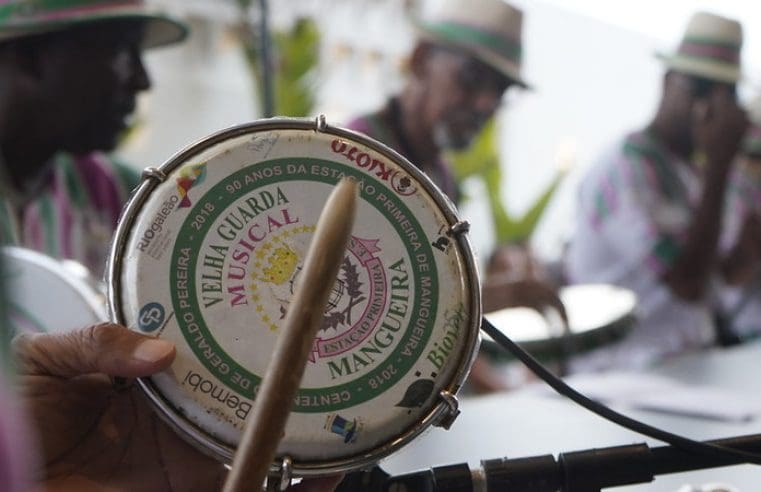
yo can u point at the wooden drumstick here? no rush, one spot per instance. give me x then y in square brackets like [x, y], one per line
[305, 314]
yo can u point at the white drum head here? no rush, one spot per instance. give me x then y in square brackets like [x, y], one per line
[208, 257]
[47, 295]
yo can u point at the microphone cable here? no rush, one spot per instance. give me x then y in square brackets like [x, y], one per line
[562, 388]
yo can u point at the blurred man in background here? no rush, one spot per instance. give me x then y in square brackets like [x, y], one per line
[467, 55]
[70, 72]
[650, 212]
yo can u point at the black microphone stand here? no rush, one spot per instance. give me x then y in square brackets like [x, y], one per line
[590, 470]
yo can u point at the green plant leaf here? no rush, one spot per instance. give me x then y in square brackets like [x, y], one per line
[481, 160]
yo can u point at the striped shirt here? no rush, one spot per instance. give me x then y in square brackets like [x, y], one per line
[16, 442]
[76, 214]
[635, 207]
[74, 217]
[741, 306]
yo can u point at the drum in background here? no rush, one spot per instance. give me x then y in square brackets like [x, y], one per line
[598, 314]
[49, 295]
[207, 254]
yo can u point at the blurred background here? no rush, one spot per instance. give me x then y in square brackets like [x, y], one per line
[591, 63]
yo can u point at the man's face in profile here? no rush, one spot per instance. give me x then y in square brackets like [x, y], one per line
[91, 77]
[463, 93]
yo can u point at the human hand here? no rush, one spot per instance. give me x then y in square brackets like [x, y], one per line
[93, 437]
[719, 125]
[499, 293]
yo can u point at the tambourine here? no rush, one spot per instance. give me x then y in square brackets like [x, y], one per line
[598, 314]
[206, 255]
[48, 295]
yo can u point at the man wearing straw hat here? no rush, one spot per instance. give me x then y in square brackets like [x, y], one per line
[70, 71]
[650, 210]
[467, 55]
[69, 74]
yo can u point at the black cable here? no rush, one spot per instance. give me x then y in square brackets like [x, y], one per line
[607, 413]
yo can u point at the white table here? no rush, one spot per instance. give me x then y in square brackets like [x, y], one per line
[527, 423]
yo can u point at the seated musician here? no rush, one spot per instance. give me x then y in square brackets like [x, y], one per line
[468, 54]
[650, 210]
[71, 70]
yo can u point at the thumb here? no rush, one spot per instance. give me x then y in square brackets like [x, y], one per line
[104, 348]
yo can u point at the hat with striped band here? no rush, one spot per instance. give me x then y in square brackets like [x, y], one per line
[489, 30]
[23, 18]
[710, 48]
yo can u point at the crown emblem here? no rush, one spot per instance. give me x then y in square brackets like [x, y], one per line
[280, 265]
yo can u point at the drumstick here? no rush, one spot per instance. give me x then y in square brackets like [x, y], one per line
[283, 376]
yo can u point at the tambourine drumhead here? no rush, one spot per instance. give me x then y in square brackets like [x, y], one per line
[208, 251]
[48, 295]
[597, 314]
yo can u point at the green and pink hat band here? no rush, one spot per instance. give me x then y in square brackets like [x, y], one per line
[53, 10]
[464, 34]
[27, 17]
[710, 50]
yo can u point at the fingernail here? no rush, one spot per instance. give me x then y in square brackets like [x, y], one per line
[152, 350]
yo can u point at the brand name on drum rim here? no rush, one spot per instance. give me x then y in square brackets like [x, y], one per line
[399, 181]
[218, 393]
[157, 224]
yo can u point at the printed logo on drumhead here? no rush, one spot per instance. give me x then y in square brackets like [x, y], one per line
[348, 429]
[240, 252]
[356, 301]
[151, 317]
[274, 268]
[400, 182]
[418, 392]
[189, 177]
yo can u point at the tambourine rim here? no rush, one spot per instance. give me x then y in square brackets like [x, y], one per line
[86, 291]
[201, 439]
[551, 346]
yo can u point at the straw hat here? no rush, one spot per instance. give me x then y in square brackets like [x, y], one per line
[490, 30]
[710, 48]
[21, 18]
